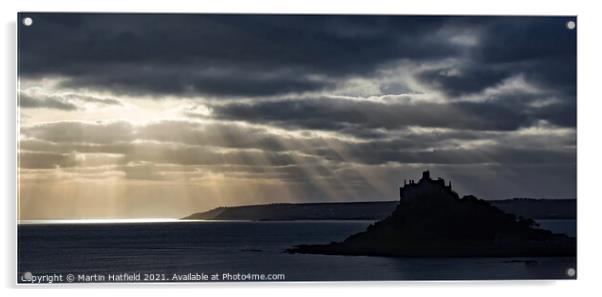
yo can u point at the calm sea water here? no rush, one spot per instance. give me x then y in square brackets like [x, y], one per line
[251, 247]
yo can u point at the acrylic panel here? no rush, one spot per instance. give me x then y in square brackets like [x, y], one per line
[255, 147]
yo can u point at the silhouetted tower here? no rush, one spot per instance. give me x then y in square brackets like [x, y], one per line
[426, 175]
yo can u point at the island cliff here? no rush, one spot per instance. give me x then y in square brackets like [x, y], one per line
[432, 220]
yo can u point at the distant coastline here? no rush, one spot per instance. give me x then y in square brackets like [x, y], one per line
[524, 207]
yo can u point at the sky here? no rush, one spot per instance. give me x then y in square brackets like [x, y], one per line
[160, 116]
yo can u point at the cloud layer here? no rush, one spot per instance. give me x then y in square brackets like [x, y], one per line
[292, 108]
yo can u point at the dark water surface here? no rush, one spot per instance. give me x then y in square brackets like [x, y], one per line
[251, 247]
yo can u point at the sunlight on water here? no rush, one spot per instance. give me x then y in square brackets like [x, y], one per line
[98, 221]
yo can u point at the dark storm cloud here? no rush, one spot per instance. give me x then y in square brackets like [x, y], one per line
[67, 102]
[190, 80]
[355, 117]
[221, 54]
[254, 55]
[470, 79]
[497, 155]
[26, 101]
[540, 48]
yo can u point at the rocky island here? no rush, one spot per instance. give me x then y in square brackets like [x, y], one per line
[432, 220]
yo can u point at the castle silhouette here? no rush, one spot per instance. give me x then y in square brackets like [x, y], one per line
[426, 189]
[426, 178]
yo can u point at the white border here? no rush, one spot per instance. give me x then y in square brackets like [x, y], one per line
[589, 155]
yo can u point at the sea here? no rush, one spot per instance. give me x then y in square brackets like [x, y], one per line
[198, 251]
